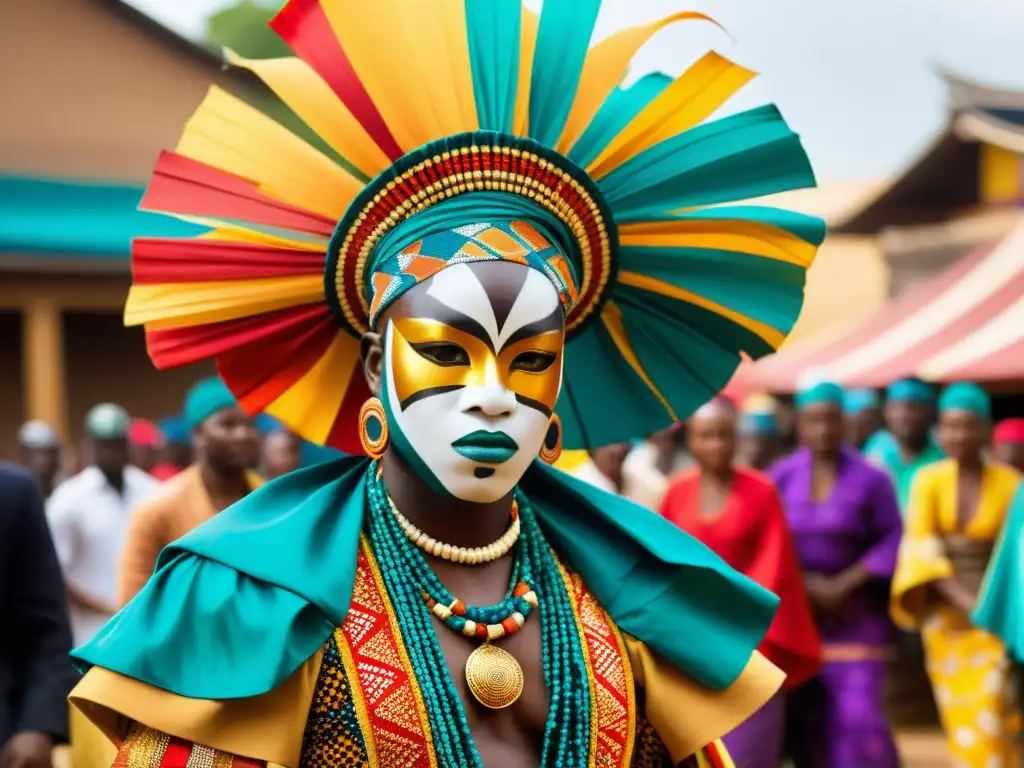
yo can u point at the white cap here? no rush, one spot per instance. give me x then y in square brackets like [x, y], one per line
[37, 434]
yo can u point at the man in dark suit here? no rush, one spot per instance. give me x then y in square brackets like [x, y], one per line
[35, 672]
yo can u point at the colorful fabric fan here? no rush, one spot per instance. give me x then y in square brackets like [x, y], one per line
[489, 114]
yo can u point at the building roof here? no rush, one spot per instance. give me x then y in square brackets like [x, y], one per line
[49, 223]
[944, 176]
[962, 323]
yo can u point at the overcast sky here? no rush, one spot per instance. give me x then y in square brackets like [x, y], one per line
[855, 77]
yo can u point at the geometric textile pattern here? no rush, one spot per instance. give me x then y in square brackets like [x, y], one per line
[611, 676]
[386, 696]
[516, 241]
[333, 738]
[146, 748]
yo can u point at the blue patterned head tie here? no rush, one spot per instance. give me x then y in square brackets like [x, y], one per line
[516, 241]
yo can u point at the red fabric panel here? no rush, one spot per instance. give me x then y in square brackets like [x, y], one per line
[750, 533]
[188, 260]
[304, 26]
[184, 186]
[180, 346]
[279, 353]
[345, 431]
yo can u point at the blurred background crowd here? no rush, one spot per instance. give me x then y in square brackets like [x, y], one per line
[916, 292]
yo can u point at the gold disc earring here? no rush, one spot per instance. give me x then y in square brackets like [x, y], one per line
[551, 448]
[373, 428]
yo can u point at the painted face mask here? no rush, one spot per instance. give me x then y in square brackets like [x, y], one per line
[473, 369]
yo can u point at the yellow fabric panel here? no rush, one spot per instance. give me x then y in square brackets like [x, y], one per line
[453, 25]
[604, 70]
[972, 682]
[306, 93]
[570, 461]
[180, 305]
[644, 282]
[416, 109]
[689, 100]
[611, 317]
[310, 405]
[527, 45]
[235, 234]
[1000, 174]
[267, 727]
[229, 134]
[686, 714]
[724, 235]
[90, 746]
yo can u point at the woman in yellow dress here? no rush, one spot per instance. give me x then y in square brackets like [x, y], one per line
[957, 509]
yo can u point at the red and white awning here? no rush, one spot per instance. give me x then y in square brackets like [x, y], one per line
[965, 323]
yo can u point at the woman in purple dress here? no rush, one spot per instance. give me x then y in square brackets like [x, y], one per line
[846, 524]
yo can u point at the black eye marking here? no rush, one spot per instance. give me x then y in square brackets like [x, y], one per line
[533, 361]
[447, 354]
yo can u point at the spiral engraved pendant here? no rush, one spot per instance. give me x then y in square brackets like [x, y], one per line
[494, 676]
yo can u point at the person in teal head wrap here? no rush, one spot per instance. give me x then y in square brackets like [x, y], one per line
[486, 268]
[958, 509]
[906, 444]
[863, 411]
[759, 436]
[176, 452]
[845, 522]
[226, 451]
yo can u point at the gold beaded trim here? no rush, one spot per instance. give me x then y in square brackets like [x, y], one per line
[475, 181]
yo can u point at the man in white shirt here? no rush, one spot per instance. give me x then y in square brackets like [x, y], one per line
[89, 516]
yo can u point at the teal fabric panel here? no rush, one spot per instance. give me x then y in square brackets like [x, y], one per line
[494, 29]
[238, 604]
[617, 111]
[1000, 608]
[563, 38]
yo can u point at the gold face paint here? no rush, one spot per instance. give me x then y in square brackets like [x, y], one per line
[432, 357]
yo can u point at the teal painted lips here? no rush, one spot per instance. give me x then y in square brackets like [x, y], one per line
[486, 447]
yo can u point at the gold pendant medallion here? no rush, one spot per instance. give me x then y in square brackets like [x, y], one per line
[494, 676]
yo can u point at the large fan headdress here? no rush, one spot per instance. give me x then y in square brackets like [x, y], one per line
[466, 129]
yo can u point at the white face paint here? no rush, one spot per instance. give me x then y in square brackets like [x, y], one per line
[470, 392]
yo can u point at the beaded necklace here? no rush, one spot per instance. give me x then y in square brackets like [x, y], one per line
[407, 576]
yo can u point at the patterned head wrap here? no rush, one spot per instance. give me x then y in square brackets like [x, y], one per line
[497, 134]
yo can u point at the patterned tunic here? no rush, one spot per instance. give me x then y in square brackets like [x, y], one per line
[367, 710]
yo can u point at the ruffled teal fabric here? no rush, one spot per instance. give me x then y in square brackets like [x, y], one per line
[563, 38]
[617, 111]
[238, 604]
[1000, 608]
[494, 29]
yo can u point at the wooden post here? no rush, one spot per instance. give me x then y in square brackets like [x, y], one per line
[43, 363]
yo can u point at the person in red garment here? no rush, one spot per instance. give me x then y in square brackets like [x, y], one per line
[737, 513]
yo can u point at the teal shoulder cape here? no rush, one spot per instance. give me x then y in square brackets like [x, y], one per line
[1000, 608]
[240, 603]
